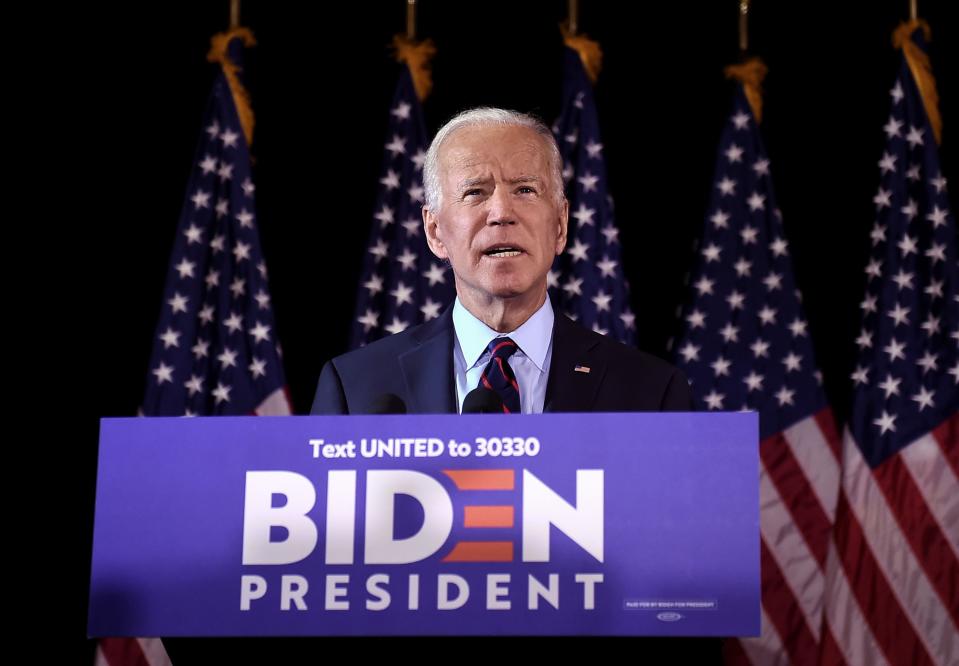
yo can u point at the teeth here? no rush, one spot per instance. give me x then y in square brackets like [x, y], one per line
[503, 253]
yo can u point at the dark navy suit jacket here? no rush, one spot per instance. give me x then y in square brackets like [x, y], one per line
[417, 366]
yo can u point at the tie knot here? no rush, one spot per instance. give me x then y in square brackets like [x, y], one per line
[502, 348]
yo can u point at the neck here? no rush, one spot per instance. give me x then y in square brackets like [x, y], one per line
[503, 315]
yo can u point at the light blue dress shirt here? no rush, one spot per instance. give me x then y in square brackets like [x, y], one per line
[530, 363]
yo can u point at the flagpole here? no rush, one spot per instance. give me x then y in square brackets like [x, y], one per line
[411, 20]
[234, 14]
[913, 10]
[573, 17]
[744, 26]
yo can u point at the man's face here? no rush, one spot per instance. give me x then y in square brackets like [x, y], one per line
[500, 222]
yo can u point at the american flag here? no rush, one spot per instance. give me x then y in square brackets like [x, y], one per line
[893, 582]
[215, 350]
[131, 652]
[402, 283]
[587, 280]
[746, 346]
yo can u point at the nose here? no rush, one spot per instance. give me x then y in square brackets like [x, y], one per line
[500, 207]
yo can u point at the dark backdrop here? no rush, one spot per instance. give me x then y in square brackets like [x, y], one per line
[322, 78]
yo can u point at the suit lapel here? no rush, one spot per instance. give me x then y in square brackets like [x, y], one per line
[576, 369]
[428, 368]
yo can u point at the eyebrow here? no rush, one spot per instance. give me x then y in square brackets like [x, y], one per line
[471, 182]
[525, 179]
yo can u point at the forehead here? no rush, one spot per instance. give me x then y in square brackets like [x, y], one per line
[475, 150]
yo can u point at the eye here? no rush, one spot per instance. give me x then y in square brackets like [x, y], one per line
[526, 189]
[473, 191]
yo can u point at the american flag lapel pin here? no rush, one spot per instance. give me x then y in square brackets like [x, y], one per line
[582, 368]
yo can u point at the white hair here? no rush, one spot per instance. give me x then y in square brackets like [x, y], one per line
[485, 117]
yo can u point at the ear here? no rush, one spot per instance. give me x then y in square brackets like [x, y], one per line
[433, 237]
[563, 224]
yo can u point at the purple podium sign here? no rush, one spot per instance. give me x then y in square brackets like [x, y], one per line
[547, 524]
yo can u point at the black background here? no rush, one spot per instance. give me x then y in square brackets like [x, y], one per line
[135, 82]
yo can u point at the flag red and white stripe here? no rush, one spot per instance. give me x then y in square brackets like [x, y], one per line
[131, 652]
[799, 477]
[892, 588]
[747, 347]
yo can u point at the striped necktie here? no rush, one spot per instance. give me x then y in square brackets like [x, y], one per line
[499, 377]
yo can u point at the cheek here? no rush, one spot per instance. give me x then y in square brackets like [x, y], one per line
[461, 243]
[439, 249]
[449, 239]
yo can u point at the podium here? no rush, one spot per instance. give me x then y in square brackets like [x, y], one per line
[640, 524]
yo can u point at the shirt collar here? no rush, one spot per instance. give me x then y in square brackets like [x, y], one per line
[532, 337]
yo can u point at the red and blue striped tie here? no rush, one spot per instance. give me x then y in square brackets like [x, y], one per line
[499, 377]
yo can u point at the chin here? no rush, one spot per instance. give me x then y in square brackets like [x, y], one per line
[510, 289]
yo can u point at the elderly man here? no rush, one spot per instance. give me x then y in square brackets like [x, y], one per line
[495, 209]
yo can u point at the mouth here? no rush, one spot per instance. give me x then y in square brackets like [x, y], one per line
[503, 251]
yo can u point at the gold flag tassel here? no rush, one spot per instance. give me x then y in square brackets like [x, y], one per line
[751, 74]
[417, 56]
[589, 52]
[219, 45]
[919, 65]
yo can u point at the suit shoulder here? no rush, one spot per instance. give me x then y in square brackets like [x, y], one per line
[631, 358]
[349, 382]
[659, 381]
[644, 363]
[642, 381]
[379, 352]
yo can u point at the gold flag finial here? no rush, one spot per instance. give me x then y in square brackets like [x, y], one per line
[751, 74]
[589, 51]
[921, 69]
[417, 56]
[219, 52]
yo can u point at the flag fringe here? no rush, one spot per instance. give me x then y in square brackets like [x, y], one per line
[219, 52]
[417, 56]
[919, 65]
[589, 52]
[751, 74]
